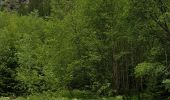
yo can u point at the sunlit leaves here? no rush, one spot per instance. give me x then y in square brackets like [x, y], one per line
[149, 69]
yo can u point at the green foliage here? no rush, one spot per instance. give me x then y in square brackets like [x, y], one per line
[152, 75]
[28, 41]
[8, 58]
[167, 84]
[149, 69]
[61, 8]
[43, 7]
[75, 48]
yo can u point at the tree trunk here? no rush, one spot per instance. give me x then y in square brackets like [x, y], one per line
[115, 75]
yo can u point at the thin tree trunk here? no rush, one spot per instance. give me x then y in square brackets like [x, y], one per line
[115, 74]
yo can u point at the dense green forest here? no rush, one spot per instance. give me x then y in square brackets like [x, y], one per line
[85, 49]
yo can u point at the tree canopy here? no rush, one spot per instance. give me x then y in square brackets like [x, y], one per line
[85, 47]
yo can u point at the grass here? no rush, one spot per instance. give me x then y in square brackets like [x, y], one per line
[65, 95]
[61, 98]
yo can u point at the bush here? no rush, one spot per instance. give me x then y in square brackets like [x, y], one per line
[167, 84]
